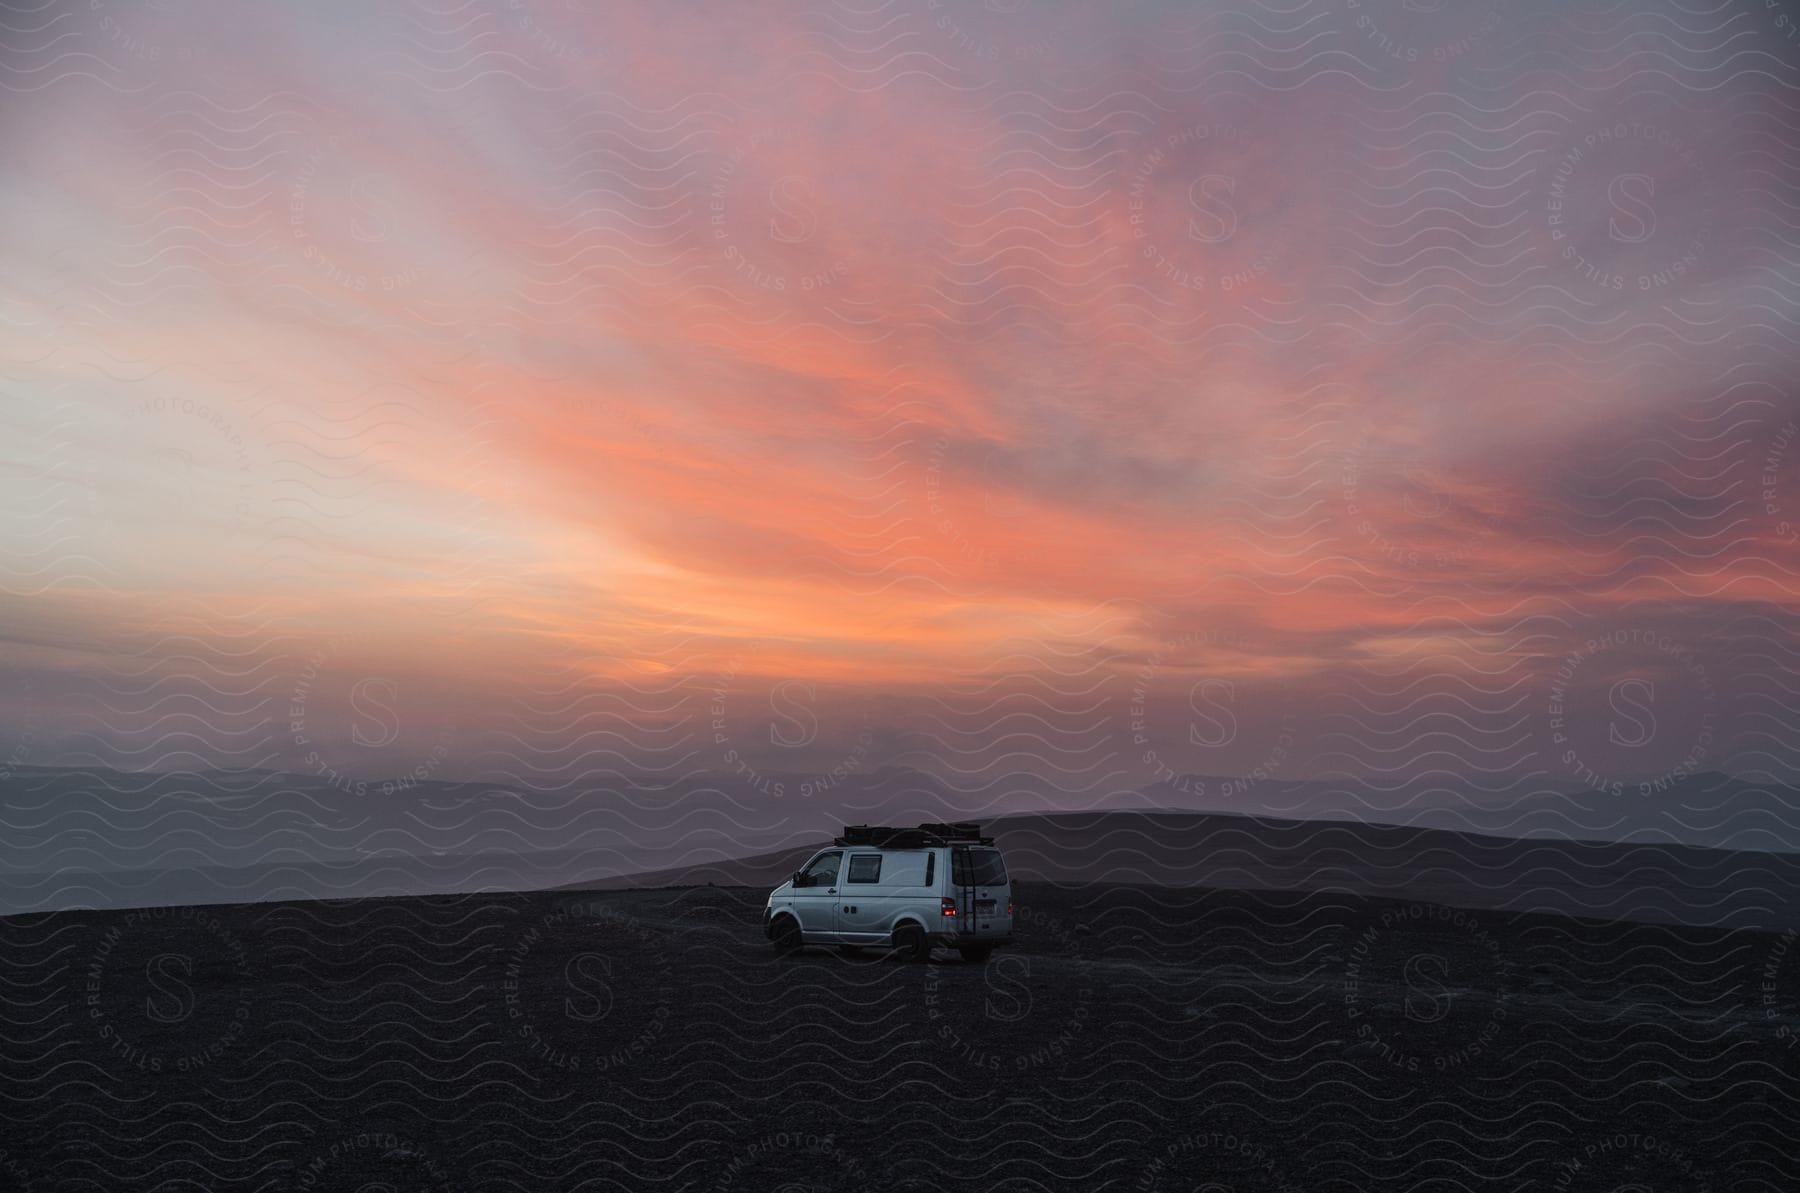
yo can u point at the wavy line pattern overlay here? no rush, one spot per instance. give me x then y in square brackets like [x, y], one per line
[492, 484]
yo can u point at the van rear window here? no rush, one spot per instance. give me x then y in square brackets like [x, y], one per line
[977, 867]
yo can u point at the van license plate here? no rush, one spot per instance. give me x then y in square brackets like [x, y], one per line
[984, 906]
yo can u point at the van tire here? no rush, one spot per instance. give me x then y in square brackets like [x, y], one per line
[786, 934]
[975, 954]
[911, 943]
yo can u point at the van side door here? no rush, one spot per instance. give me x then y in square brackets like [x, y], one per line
[863, 898]
[881, 889]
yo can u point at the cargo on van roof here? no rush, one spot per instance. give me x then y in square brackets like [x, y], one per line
[929, 833]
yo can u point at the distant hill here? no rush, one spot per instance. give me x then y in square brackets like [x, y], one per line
[1641, 883]
[1706, 809]
[100, 838]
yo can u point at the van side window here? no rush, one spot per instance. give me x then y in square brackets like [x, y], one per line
[865, 867]
[930, 867]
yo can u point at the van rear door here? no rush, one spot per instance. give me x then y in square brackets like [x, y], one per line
[981, 889]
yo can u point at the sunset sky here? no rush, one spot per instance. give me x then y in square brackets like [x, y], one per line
[534, 392]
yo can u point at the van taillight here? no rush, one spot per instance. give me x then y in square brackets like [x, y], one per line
[949, 906]
[1009, 905]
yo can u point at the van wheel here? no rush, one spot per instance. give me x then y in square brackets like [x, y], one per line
[786, 934]
[911, 943]
[975, 954]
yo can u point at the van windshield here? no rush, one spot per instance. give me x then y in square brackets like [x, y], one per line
[977, 867]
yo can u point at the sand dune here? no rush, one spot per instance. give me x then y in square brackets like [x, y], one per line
[651, 1039]
[231, 837]
[1641, 883]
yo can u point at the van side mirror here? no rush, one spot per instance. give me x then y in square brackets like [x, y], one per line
[799, 879]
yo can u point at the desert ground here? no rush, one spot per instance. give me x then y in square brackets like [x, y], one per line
[1135, 1038]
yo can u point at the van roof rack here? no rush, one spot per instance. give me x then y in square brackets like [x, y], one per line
[963, 832]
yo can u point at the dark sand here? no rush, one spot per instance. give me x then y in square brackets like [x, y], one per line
[1137, 1038]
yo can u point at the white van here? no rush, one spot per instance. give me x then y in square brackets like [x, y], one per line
[910, 889]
